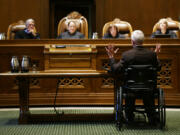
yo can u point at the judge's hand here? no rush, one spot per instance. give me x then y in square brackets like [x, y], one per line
[158, 48]
[110, 50]
[33, 31]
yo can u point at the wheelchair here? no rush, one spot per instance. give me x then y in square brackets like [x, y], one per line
[139, 79]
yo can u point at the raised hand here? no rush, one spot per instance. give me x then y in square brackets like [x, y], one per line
[110, 50]
[33, 31]
[158, 48]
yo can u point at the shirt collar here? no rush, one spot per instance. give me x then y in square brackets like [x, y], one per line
[138, 46]
[26, 31]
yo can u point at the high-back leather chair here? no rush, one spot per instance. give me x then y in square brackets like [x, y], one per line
[14, 27]
[172, 25]
[123, 27]
[81, 23]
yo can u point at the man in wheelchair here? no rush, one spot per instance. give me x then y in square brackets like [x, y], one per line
[138, 56]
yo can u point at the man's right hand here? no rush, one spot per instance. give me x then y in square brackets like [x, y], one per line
[33, 31]
[158, 48]
[110, 50]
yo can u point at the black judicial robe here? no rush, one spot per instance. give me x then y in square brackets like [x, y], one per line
[67, 35]
[109, 36]
[22, 34]
[168, 32]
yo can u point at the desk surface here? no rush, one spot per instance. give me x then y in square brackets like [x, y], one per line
[88, 73]
[97, 42]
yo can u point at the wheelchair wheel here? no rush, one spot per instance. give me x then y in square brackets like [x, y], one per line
[162, 109]
[119, 109]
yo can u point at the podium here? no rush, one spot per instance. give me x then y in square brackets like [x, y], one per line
[70, 57]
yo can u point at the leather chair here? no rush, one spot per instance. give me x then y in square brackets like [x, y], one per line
[172, 25]
[14, 27]
[123, 27]
[81, 22]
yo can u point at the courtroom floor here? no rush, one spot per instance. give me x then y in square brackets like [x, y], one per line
[9, 124]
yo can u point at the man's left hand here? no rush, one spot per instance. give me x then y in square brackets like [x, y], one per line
[158, 48]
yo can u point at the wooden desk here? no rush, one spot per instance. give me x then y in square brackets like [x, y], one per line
[26, 117]
[93, 91]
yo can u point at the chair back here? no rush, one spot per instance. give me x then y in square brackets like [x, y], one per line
[140, 77]
[81, 23]
[172, 25]
[14, 27]
[123, 27]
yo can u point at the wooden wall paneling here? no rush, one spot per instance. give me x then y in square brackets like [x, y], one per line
[140, 14]
[99, 16]
[44, 15]
[22, 10]
[13, 11]
[5, 14]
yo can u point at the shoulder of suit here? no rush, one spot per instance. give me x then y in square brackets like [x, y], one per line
[127, 52]
[172, 32]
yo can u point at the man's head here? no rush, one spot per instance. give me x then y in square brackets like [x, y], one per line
[163, 24]
[30, 24]
[72, 27]
[137, 37]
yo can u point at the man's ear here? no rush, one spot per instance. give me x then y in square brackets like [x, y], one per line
[132, 42]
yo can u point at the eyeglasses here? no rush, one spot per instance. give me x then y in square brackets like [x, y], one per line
[31, 24]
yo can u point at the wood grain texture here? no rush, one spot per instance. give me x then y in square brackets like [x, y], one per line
[140, 14]
[76, 91]
[13, 11]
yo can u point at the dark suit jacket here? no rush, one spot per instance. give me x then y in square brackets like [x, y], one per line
[67, 35]
[138, 55]
[169, 32]
[24, 35]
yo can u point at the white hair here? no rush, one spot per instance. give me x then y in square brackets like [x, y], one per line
[137, 37]
[28, 21]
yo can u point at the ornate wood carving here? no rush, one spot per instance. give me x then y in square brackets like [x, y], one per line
[74, 82]
[165, 75]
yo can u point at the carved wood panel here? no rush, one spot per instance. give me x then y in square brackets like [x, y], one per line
[71, 82]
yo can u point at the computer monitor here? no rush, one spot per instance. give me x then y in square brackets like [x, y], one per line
[162, 36]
